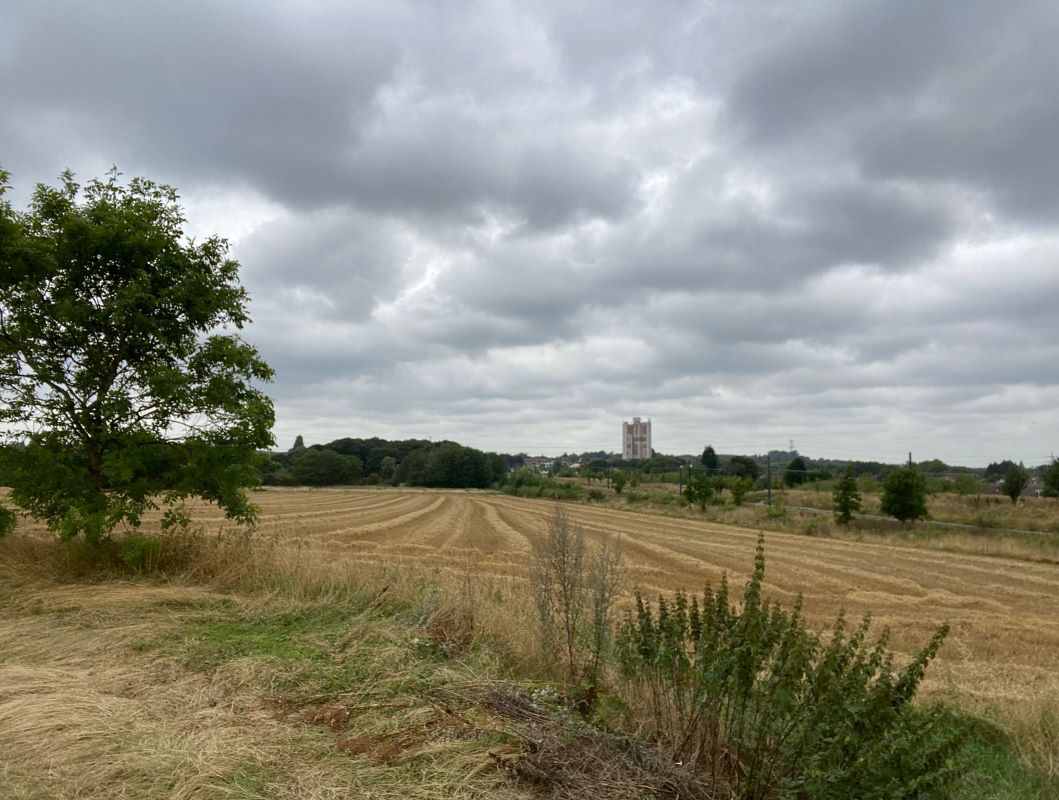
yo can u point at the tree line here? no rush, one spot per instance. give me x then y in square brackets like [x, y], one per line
[408, 462]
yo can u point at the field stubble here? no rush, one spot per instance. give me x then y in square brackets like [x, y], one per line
[453, 550]
[1004, 613]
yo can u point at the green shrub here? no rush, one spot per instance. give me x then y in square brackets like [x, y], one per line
[761, 707]
[7, 521]
[527, 482]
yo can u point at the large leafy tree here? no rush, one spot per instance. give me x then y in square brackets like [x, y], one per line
[326, 468]
[797, 472]
[709, 459]
[743, 466]
[905, 494]
[124, 384]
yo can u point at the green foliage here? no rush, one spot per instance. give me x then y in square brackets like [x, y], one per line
[450, 465]
[7, 521]
[739, 487]
[1051, 479]
[709, 458]
[660, 464]
[845, 500]
[966, 484]
[112, 372]
[619, 479]
[322, 467]
[905, 494]
[1015, 481]
[797, 472]
[699, 489]
[743, 466]
[527, 482]
[998, 469]
[753, 701]
[868, 484]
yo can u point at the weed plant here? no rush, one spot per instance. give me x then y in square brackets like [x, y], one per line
[760, 706]
[574, 589]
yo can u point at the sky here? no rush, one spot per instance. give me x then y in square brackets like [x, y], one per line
[515, 224]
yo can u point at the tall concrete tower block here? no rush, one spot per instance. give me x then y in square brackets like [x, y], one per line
[636, 439]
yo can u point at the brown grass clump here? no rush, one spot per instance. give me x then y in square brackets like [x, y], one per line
[588, 764]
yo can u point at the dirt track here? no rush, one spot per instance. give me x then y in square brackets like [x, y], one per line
[1004, 613]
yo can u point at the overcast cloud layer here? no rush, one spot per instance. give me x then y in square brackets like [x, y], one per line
[514, 224]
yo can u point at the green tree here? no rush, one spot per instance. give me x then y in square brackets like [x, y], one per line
[322, 467]
[797, 472]
[387, 468]
[709, 459]
[699, 489]
[619, 479]
[743, 466]
[1051, 479]
[845, 500]
[412, 469]
[1015, 481]
[998, 469]
[739, 487]
[121, 371]
[905, 494]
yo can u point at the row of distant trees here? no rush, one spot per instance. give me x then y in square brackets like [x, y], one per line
[789, 468]
[411, 462]
[419, 462]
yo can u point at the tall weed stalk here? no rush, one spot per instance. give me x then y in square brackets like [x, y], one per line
[574, 590]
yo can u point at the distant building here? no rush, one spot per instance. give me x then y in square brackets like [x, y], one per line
[636, 439]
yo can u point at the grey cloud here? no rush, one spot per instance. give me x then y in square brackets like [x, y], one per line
[834, 64]
[514, 223]
[296, 105]
[345, 262]
[951, 92]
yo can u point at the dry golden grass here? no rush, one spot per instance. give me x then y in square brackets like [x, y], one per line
[1004, 613]
[87, 712]
[79, 719]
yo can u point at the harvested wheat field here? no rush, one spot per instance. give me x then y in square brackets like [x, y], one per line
[1003, 648]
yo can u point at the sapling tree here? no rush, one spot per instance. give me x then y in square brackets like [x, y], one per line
[124, 384]
[1015, 482]
[846, 498]
[699, 489]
